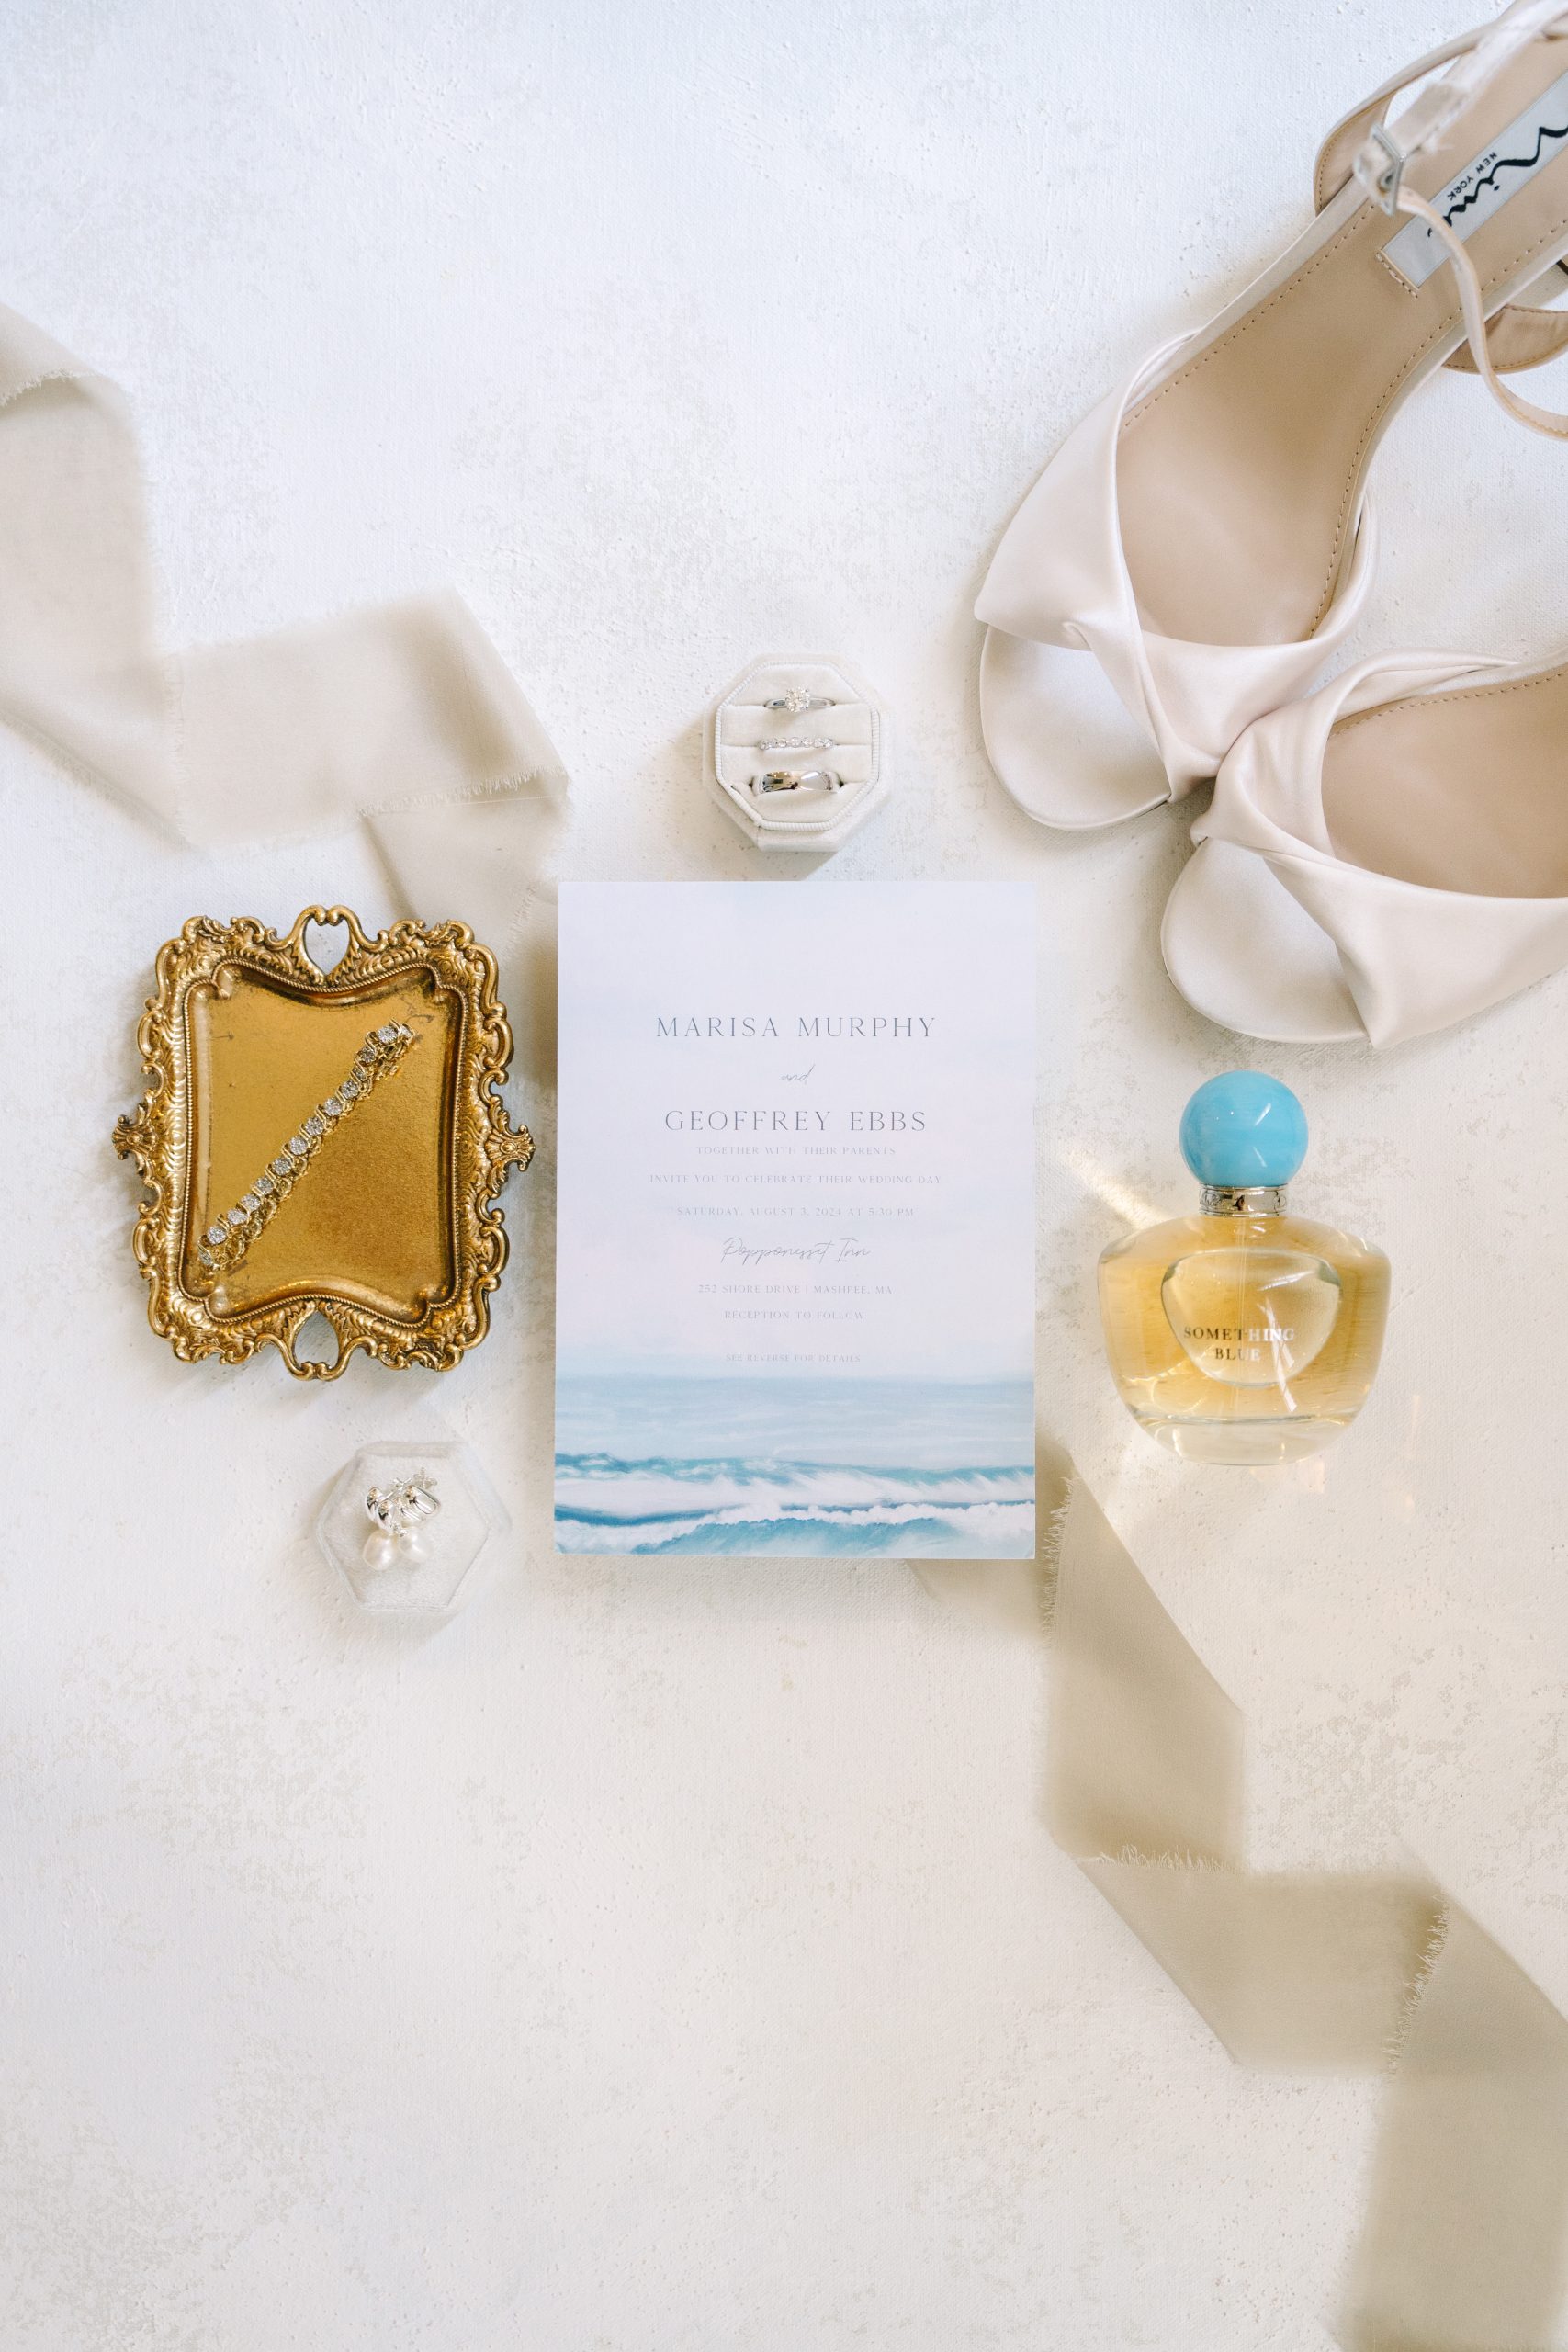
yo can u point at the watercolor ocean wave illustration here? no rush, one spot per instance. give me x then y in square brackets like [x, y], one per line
[604, 1504]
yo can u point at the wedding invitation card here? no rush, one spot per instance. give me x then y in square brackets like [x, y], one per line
[795, 1256]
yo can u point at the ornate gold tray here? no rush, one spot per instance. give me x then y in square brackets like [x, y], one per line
[386, 1228]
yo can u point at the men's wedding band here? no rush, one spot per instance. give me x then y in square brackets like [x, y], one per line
[797, 780]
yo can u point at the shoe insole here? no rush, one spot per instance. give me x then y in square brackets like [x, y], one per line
[1240, 475]
[1462, 791]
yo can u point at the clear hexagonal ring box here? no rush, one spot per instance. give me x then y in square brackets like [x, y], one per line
[404, 1524]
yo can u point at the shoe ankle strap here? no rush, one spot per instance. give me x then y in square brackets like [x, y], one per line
[1473, 61]
[1336, 156]
[1361, 146]
[1473, 304]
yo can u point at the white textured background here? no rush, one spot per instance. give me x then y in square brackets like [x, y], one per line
[671, 1957]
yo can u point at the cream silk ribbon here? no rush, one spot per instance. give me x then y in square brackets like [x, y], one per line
[402, 719]
[1461, 2247]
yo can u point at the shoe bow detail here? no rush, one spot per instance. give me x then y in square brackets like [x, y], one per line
[1060, 578]
[1270, 931]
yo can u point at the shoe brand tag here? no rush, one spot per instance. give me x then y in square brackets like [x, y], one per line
[1485, 185]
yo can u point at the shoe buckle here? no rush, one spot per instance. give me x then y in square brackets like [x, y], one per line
[1379, 167]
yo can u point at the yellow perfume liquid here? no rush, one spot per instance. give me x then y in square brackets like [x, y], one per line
[1244, 1334]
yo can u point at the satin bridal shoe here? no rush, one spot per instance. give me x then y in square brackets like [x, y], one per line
[1204, 532]
[1381, 859]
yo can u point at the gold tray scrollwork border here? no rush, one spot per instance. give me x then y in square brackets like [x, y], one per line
[485, 1147]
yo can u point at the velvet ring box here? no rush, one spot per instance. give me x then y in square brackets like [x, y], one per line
[794, 753]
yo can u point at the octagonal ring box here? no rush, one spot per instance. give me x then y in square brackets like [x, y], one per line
[812, 719]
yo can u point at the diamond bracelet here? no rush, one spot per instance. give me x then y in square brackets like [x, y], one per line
[228, 1237]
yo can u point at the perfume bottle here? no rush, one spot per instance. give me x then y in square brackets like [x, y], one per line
[1244, 1334]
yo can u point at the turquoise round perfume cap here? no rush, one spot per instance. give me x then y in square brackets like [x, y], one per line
[1244, 1129]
